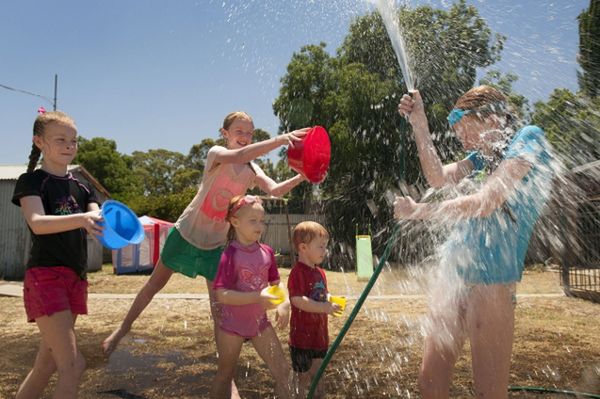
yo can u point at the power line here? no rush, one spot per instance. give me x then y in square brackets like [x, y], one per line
[26, 92]
[50, 101]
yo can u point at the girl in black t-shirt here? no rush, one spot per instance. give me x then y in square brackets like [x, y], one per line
[59, 211]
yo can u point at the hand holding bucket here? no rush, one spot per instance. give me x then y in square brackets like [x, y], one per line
[121, 226]
[340, 301]
[310, 157]
[277, 292]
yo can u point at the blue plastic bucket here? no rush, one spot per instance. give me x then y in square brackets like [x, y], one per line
[121, 226]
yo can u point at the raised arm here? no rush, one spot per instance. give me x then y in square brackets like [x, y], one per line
[437, 175]
[273, 188]
[252, 151]
[498, 188]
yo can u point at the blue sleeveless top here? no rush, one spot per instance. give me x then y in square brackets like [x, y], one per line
[491, 250]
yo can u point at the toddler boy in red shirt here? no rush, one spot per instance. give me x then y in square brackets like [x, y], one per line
[307, 286]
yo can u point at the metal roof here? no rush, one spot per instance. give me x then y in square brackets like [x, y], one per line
[12, 172]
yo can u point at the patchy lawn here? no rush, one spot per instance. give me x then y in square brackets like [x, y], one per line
[170, 352]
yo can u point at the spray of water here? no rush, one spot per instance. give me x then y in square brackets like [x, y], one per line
[392, 25]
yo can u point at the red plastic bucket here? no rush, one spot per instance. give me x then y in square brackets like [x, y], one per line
[311, 156]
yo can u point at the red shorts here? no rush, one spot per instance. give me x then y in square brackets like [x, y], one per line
[47, 290]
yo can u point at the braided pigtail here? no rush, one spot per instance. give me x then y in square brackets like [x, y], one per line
[34, 157]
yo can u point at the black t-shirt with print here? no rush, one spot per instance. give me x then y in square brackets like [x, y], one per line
[60, 195]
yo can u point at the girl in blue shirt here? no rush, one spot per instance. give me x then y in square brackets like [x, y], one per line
[484, 253]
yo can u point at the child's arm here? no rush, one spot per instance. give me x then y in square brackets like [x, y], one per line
[497, 189]
[238, 298]
[310, 305]
[275, 189]
[252, 151]
[40, 223]
[435, 172]
[282, 315]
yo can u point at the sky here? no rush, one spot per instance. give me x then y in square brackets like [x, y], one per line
[163, 74]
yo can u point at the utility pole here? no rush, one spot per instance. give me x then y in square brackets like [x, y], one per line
[55, 90]
[37, 95]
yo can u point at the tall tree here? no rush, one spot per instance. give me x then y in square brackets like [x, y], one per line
[589, 49]
[355, 94]
[572, 120]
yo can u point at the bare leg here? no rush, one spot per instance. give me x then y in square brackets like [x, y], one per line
[58, 351]
[443, 344]
[304, 380]
[229, 347]
[37, 379]
[160, 276]
[216, 316]
[490, 321]
[268, 347]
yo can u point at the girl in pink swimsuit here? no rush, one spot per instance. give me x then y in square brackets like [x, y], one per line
[246, 270]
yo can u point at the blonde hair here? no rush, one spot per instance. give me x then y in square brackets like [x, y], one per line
[233, 116]
[481, 96]
[488, 100]
[235, 206]
[39, 127]
[305, 232]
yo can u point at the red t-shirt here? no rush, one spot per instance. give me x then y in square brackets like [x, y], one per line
[308, 330]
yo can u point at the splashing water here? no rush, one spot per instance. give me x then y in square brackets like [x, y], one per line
[390, 20]
[424, 267]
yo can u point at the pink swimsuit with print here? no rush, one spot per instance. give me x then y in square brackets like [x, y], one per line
[245, 269]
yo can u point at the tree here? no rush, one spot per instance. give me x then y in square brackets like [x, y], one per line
[159, 170]
[355, 96]
[589, 50]
[572, 125]
[196, 157]
[572, 120]
[112, 169]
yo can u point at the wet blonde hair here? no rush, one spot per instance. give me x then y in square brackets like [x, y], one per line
[39, 127]
[233, 116]
[481, 96]
[233, 208]
[305, 232]
[487, 100]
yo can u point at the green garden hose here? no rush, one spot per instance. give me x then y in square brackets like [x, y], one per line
[553, 390]
[338, 340]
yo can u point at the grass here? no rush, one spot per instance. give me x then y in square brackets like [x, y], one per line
[170, 352]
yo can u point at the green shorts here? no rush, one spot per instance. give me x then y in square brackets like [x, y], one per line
[182, 257]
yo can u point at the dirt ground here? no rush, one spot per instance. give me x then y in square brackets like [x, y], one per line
[170, 352]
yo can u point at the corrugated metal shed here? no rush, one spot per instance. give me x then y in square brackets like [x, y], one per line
[15, 238]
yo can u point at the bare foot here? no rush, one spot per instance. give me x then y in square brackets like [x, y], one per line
[110, 343]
